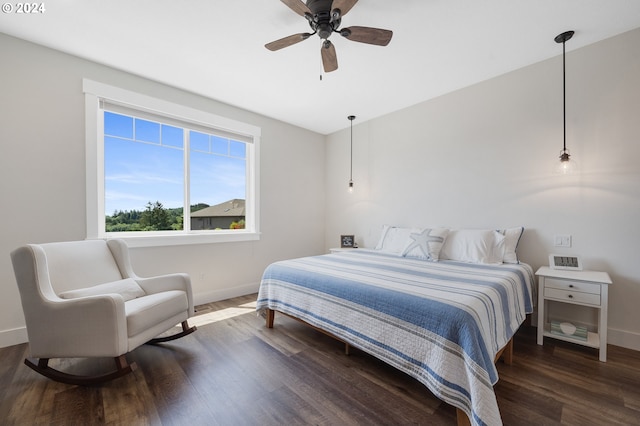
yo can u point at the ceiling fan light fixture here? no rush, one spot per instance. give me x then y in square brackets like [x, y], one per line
[324, 30]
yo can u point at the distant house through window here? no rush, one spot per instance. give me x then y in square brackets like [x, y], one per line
[163, 170]
[227, 215]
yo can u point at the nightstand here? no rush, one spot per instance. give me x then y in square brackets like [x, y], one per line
[584, 288]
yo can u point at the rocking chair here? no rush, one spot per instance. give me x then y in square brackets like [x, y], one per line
[81, 299]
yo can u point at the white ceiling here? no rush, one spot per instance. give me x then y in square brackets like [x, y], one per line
[216, 48]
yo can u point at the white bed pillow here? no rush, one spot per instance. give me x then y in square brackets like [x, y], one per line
[474, 246]
[394, 239]
[127, 288]
[511, 239]
[383, 235]
[425, 243]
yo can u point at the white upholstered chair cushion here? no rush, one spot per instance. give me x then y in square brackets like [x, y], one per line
[128, 288]
[144, 312]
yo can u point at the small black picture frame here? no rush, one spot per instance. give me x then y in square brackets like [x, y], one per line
[347, 241]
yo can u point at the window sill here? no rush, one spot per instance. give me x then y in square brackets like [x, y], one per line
[160, 240]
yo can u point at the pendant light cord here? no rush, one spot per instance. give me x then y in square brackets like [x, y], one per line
[351, 118]
[562, 38]
[564, 101]
[351, 154]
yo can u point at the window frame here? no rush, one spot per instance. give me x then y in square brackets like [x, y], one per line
[95, 93]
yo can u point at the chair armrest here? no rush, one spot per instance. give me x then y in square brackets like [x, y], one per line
[178, 281]
[89, 326]
[150, 285]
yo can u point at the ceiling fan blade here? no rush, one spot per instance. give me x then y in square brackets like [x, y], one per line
[344, 5]
[368, 35]
[287, 41]
[329, 58]
[297, 6]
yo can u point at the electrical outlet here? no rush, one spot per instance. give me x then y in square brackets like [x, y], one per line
[562, 240]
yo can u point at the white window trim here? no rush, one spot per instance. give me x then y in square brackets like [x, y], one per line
[94, 92]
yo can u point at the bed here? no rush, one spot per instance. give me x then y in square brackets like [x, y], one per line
[441, 322]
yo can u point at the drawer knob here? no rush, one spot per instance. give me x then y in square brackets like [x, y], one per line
[571, 296]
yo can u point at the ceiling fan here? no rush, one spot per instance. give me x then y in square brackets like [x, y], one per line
[324, 17]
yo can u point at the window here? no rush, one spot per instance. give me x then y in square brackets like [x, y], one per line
[160, 173]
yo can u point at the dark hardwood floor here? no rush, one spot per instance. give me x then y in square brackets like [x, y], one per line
[234, 371]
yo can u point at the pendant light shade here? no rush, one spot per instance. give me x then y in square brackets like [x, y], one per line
[351, 118]
[566, 165]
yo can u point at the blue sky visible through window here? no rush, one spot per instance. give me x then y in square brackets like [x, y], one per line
[144, 162]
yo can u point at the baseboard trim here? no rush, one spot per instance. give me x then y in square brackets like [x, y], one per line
[625, 339]
[15, 336]
[226, 293]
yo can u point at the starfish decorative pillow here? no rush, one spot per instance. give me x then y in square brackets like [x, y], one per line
[426, 244]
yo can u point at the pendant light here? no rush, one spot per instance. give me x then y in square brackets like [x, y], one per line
[566, 166]
[351, 118]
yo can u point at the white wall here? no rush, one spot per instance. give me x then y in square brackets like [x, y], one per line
[479, 157]
[42, 179]
[482, 157]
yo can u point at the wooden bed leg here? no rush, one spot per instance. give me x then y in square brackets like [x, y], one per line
[347, 348]
[270, 317]
[463, 419]
[507, 355]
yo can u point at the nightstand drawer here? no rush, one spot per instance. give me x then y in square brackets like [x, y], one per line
[580, 286]
[572, 296]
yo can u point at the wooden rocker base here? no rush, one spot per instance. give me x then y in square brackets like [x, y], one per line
[185, 331]
[42, 367]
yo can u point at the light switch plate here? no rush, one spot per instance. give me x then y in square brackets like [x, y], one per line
[562, 240]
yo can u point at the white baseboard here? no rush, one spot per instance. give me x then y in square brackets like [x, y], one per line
[625, 339]
[12, 337]
[226, 293]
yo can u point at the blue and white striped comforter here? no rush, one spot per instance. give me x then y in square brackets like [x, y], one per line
[441, 322]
